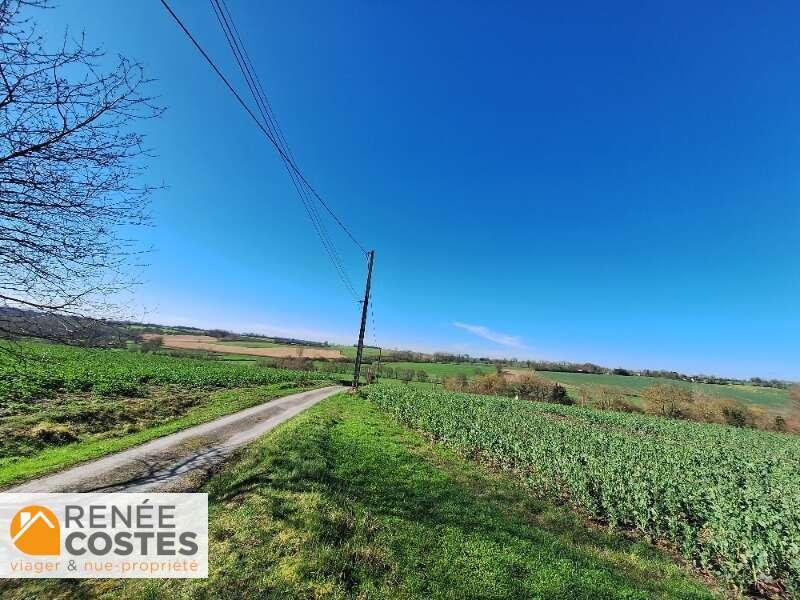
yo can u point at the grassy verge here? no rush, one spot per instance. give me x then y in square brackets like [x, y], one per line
[124, 423]
[724, 497]
[342, 502]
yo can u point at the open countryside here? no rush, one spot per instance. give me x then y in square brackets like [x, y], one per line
[258, 348]
[442, 301]
[595, 386]
[773, 399]
[80, 404]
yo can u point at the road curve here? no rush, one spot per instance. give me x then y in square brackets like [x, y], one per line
[182, 460]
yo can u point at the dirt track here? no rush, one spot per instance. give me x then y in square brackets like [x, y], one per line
[182, 460]
[210, 344]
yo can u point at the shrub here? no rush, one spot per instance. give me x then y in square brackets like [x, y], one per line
[456, 383]
[559, 395]
[492, 384]
[296, 364]
[526, 386]
[532, 387]
[584, 396]
[668, 400]
[151, 343]
[611, 398]
[682, 403]
[405, 375]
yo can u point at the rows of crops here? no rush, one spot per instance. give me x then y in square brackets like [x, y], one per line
[728, 498]
[33, 370]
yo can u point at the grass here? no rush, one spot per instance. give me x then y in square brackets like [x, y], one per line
[102, 426]
[350, 351]
[60, 405]
[437, 370]
[30, 371]
[770, 398]
[773, 399]
[726, 497]
[342, 502]
[444, 369]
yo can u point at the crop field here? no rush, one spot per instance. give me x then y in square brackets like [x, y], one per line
[344, 502]
[770, 398]
[256, 348]
[727, 498]
[38, 370]
[60, 405]
[350, 351]
[438, 370]
[444, 369]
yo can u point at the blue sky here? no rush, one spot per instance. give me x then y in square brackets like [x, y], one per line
[606, 182]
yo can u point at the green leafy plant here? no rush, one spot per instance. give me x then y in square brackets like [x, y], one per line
[726, 497]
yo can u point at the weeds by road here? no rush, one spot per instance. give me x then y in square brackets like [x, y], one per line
[341, 502]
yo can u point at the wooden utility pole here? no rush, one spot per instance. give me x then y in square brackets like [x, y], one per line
[364, 307]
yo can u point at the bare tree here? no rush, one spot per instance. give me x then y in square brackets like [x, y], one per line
[70, 168]
[667, 400]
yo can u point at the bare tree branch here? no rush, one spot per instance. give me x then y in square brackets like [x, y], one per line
[70, 172]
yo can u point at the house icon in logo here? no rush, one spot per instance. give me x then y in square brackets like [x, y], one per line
[35, 530]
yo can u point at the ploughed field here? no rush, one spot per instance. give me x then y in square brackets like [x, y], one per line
[255, 348]
[727, 498]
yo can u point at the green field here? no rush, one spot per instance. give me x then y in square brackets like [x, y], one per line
[770, 398]
[434, 370]
[726, 498]
[350, 351]
[444, 369]
[773, 399]
[342, 502]
[60, 405]
[77, 429]
[30, 370]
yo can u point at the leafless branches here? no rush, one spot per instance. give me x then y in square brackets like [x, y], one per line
[70, 170]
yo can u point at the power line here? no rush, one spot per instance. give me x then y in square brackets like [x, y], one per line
[258, 80]
[299, 181]
[226, 23]
[372, 315]
[253, 116]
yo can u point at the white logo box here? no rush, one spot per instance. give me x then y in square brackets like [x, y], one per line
[104, 535]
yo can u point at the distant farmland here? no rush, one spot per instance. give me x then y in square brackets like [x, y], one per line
[254, 348]
[445, 369]
[773, 399]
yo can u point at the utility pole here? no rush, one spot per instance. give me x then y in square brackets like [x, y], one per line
[364, 307]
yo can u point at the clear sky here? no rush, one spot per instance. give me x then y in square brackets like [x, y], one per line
[613, 182]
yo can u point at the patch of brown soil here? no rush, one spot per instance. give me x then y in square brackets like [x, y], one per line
[210, 344]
